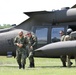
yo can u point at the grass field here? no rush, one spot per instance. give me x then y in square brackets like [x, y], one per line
[43, 66]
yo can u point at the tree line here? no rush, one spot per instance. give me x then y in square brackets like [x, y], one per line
[6, 26]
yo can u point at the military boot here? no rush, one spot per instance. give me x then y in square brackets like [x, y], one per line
[23, 66]
[71, 63]
[64, 64]
[30, 65]
[20, 66]
[33, 64]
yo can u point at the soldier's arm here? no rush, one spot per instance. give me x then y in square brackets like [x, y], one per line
[67, 38]
[20, 45]
[71, 37]
[27, 41]
[35, 41]
[15, 41]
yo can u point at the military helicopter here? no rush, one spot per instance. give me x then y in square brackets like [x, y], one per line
[46, 26]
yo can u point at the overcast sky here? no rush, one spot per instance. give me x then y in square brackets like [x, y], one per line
[11, 11]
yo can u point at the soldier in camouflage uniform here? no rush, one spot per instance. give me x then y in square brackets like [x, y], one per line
[21, 55]
[63, 58]
[67, 38]
[33, 46]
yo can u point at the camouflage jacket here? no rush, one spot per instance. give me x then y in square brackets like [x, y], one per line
[33, 42]
[67, 38]
[22, 41]
[62, 38]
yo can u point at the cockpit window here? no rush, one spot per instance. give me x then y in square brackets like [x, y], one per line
[41, 34]
[55, 36]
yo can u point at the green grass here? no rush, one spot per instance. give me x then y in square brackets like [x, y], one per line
[43, 66]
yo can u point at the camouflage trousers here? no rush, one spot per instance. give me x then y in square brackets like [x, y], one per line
[31, 57]
[21, 57]
[31, 60]
[63, 59]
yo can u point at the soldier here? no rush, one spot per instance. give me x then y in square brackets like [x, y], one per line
[19, 41]
[33, 45]
[67, 38]
[62, 35]
[63, 57]
[27, 44]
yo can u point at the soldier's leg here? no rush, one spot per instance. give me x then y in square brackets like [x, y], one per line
[18, 57]
[27, 50]
[24, 56]
[75, 60]
[63, 59]
[69, 63]
[31, 60]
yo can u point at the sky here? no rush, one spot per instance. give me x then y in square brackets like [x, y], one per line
[11, 11]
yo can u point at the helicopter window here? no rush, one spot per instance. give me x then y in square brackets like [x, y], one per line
[41, 34]
[55, 36]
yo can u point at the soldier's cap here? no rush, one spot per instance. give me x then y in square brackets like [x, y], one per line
[69, 30]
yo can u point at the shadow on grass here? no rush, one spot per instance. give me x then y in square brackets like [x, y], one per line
[11, 66]
[54, 67]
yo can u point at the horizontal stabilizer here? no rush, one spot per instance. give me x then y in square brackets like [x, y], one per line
[36, 13]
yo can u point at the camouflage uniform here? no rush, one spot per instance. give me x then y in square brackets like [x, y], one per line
[27, 45]
[33, 43]
[67, 38]
[62, 38]
[63, 58]
[21, 52]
